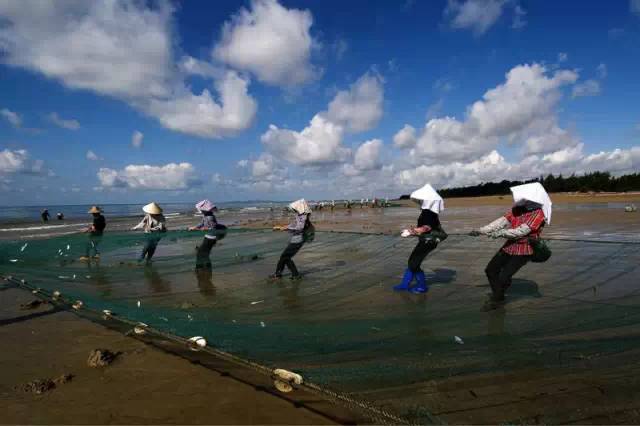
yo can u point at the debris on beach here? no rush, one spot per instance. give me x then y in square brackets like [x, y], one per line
[458, 340]
[262, 324]
[13, 260]
[139, 303]
[196, 343]
[63, 277]
[630, 208]
[32, 305]
[68, 247]
[256, 302]
[24, 247]
[101, 357]
[40, 386]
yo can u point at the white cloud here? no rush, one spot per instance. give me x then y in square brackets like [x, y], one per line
[201, 115]
[172, 176]
[586, 88]
[360, 107]
[318, 143]
[136, 139]
[634, 6]
[367, 156]
[65, 124]
[405, 138]
[18, 162]
[562, 57]
[92, 156]
[11, 117]
[270, 41]
[521, 109]
[123, 49]
[602, 71]
[475, 15]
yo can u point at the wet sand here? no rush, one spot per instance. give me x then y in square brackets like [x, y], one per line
[144, 385]
[149, 385]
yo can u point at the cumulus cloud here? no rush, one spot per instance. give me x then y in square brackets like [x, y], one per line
[123, 49]
[136, 139]
[270, 41]
[562, 57]
[91, 156]
[18, 162]
[519, 15]
[11, 117]
[586, 88]
[170, 177]
[65, 124]
[360, 107]
[405, 138]
[367, 156]
[521, 110]
[318, 143]
[475, 15]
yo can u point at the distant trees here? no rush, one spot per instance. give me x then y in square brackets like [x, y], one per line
[596, 182]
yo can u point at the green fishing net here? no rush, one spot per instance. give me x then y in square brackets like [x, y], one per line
[341, 326]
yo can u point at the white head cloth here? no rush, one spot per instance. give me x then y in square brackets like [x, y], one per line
[300, 206]
[205, 206]
[431, 200]
[535, 193]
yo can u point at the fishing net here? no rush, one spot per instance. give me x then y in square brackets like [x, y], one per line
[342, 327]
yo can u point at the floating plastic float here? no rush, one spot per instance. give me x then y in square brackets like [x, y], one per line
[196, 343]
[283, 380]
[78, 305]
[140, 328]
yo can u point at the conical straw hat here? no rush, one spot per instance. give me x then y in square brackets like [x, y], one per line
[152, 208]
[95, 209]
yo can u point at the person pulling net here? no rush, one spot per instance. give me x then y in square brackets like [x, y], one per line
[95, 232]
[214, 231]
[154, 225]
[301, 230]
[522, 227]
[429, 232]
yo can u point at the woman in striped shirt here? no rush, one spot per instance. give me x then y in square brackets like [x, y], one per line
[530, 212]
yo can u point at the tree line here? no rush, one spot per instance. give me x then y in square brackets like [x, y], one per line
[590, 182]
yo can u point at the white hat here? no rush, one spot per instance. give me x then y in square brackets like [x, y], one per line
[535, 193]
[205, 206]
[152, 208]
[300, 206]
[431, 200]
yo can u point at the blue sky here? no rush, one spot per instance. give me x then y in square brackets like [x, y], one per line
[365, 98]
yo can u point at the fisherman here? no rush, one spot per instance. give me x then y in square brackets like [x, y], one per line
[301, 231]
[524, 222]
[213, 230]
[429, 232]
[153, 225]
[45, 215]
[95, 232]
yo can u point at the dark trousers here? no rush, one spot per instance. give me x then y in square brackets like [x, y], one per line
[500, 269]
[286, 259]
[149, 248]
[202, 257]
[92, 245]
[422, 249]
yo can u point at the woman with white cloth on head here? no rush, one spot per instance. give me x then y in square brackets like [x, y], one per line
[531, 210]
[429, 232]
[301, 231]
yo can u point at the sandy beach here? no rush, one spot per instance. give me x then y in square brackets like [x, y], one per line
[150, 384]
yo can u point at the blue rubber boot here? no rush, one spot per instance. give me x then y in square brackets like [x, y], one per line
[406, 281]
[422, 284]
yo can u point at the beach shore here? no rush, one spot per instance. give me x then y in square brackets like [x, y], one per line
[148, 385]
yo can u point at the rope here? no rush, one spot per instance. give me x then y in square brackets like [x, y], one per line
[376, 414]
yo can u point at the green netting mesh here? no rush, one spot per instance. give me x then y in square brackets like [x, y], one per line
[342, 326]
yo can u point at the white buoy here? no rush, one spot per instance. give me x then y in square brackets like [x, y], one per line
[140, 328]
[78, 305]
[24, 247]
[196, 343]
[139, 303]
[13, 260]
[458, 340]
[288, 376]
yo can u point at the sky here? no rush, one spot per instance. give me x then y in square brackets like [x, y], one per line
[126, 101]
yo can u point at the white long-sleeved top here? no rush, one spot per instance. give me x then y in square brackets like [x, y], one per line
[498, 228]
[152, 223]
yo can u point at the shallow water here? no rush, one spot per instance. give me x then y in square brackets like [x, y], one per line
[342, 326]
